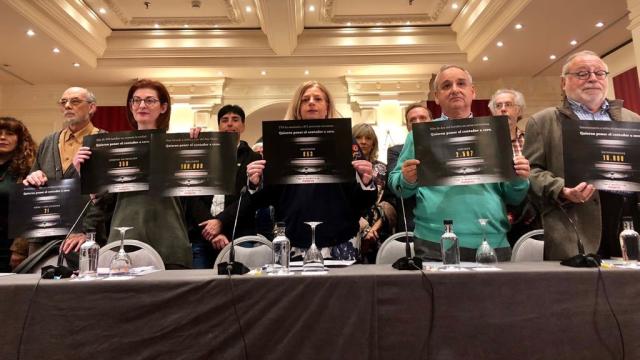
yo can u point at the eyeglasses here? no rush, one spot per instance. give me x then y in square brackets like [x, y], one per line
[150, 101]
[73, 102]
[584, 75]
[506, 105]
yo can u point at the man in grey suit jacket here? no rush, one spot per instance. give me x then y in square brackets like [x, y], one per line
[415, 113]
[584, 83]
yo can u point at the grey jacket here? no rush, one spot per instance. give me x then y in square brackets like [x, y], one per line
[543, 149]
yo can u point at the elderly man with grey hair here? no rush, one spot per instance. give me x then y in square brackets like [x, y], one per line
[54, 160]
[510, 103]
[595, 215]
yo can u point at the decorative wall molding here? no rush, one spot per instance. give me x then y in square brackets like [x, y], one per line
[327, 14]
[370, 91]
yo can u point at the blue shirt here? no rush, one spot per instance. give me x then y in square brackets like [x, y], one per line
[584, 113]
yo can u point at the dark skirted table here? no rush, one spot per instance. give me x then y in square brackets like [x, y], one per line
[528, 310]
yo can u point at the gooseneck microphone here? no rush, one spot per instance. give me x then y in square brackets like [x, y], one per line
[407, 262]
[232, 267]
[580, 260]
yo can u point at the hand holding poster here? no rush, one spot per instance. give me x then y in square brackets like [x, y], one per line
[463, 151]
[605, 154]
[307, 151]
[46, 211]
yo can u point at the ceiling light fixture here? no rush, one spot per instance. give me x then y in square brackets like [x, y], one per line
[485, 58]
[454, 6]
[573, 43]
[247, 8]
[102, 11]
[599, 24]
[186, 25]
[349, 71]
[552, 57]
[263, 72]
[56, 51]
[312, 8]
[30, 32]
[156, 25]
[77, 65]
[499, 44]
[349, 23]
[518, 26]
[306, 72]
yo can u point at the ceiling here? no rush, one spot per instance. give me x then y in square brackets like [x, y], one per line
[115, 41]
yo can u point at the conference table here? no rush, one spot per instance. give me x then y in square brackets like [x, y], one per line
[524, 311]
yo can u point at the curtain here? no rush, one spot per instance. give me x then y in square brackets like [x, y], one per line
[111, 118]
[479, 107]
[626, 87]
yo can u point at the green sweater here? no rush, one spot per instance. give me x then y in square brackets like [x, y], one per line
[463, 204]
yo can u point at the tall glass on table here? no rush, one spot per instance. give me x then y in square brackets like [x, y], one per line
[121, 262]
[313, 260]
[485, 255]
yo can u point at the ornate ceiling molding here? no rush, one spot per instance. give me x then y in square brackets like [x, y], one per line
[282, 21]
[370, 91]
[327, 14]
[482, 20]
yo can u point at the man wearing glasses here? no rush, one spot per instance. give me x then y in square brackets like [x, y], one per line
[596, 214]
[54, 160]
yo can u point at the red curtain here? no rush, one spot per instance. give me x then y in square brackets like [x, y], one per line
[626, 87]
[111, 118]
[479, 107]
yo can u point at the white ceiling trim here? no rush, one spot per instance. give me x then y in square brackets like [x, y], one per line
[480, 22]
[327, 14]
[75, 26]
[282, 21]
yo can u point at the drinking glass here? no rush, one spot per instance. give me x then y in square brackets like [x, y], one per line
[121, 262]
[313, 260]
[485, 254]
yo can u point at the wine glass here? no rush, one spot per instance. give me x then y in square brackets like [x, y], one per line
[485, 254]
[313, 260]
[121, 262]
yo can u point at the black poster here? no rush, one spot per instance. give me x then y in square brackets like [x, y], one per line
[307, 151]
[605, 154]
[464, 151]
[182, 166]
[119, 162]
[46, 211]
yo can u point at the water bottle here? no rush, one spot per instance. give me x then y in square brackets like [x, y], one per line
[449, 246]
[629, 241]
[281, 250]
[89, 257]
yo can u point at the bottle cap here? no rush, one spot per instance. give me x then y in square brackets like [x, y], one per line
[627, 218]
[448, 222]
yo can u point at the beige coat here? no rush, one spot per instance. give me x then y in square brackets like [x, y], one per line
[543, 148]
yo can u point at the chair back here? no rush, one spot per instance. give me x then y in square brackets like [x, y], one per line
[252, 257]
[394, 248]
[528, 248]
[142, 254]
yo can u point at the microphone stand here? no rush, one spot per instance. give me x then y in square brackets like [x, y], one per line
[232, 267]
[580, 260]
[407, 262]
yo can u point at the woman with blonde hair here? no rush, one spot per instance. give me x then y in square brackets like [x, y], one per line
[337, 206]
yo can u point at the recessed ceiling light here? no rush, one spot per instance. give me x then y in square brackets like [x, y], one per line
[599, 24]
[349, 71]
[220, 73]
[77, 65]
[485, 58]
[186, 25]
[518, 26]
[247, 8]
[408, 23]
[263, 72]
[306, 72]
[215, 25]
[552, 57]
[573, 43]
[349, 24]
[30, 32]
[454, 6]
[312, 8]
[102, 11]
[56, 51]
[499, 44]
[156, 25]
[378, 24]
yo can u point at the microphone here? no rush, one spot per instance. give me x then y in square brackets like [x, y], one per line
[59, 271]
[580, 260]
[232, 267]
[407, 262]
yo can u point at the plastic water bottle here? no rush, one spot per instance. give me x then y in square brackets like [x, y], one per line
[89, 252]
[629, 241]
[281, 250]
[449, 246]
